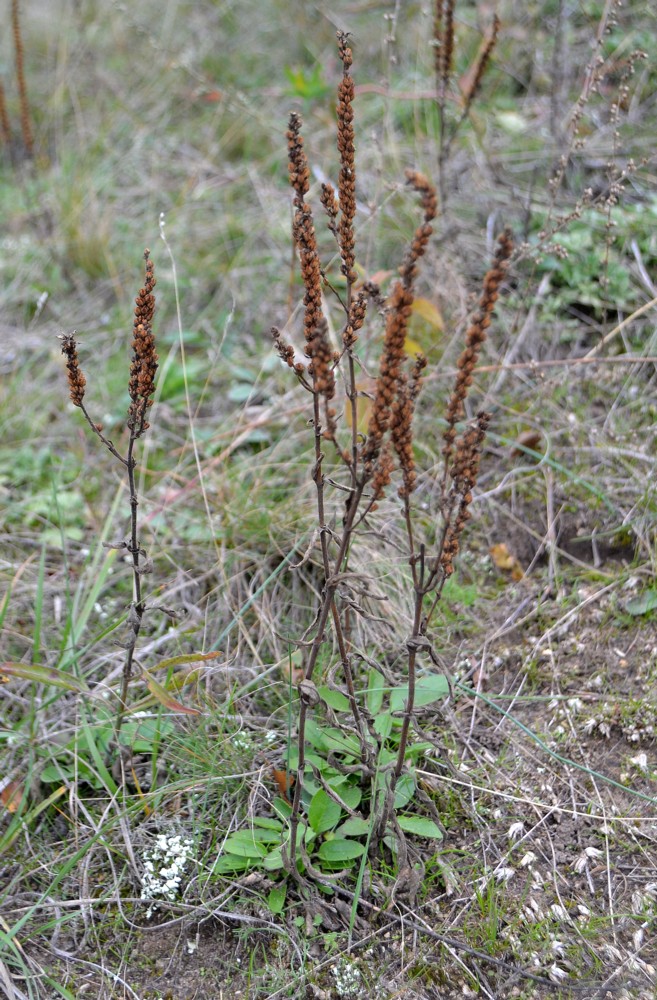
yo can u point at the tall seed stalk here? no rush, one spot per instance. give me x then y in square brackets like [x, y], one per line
[368, 460]
[141, 388]
[444, 41]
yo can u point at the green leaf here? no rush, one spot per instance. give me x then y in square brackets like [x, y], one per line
[430, 688]
[354, 827]
[143, 734]
[375, 689]
[420, 826]
[53, 773]
[276, 898]
[334, 699]
[240, 392]
[404, 791]
[262, 836]
[258, 836]
[281, 807]
[314, 736]
[340, 850]
[324, 813]
[383, 725]
[642, 604]
[179, 661]
[229, 863]
[337, 742]
[268, 823]
[273, 862]
[243, 845]
[351, 795]
[334, 779]
[416, 750]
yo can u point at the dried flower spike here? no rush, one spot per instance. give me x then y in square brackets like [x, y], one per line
[26, 126]
[446, 50]
[464, 472]
[5, 127]
[76, 380]
[141, 385]
[401, 424]
[399, 311]
[315, 327]
[475, 337]
[483, 58]
[346, 148]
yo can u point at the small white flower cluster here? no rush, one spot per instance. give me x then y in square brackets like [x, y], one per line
[243, 740]
[164, 866]
[347, 979]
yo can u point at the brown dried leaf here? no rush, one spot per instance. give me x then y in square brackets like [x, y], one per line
[528, 439]
[11, 796]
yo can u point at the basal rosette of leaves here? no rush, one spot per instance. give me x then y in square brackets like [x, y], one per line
[338, 807]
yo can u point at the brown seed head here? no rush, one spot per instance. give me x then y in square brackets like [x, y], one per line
[398, 315]
[76, 380]
[141, 384]
[464, 473]
[347, 151]
[475, 337]
[297, 163]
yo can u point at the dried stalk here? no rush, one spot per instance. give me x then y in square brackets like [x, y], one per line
[369, 459]
[26, 125]
[141, 387]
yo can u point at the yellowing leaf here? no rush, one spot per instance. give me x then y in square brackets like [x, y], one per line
[429, 313]
[161, 694]
[412, 348]
[365, 389]
[184, 677]
[41, 675]
[177, 661]
[506, 561]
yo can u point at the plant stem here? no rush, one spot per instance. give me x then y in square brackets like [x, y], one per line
[136, 612]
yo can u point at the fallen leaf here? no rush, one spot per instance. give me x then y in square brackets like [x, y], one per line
[506, 561]
[11, 796]
[292, 668]
[283, 780]
[528, 439]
